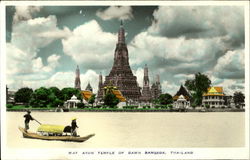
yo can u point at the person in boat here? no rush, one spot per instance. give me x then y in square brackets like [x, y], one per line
[27, 117]
[73, 127]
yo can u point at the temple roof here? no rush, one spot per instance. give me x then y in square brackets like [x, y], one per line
[182, 91]
[89, 88]
[119, 95]
[86, 95]
[214, 91]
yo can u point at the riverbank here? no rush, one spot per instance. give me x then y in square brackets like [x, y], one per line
[127, 110]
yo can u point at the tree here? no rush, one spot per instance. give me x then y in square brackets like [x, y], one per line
[55, 96]
[67, 93]
[239, 98]
[110, 99]
[92, 99]
[56, 91]
[40, 97]
[165, 99]
[23, 95]
[198, 86]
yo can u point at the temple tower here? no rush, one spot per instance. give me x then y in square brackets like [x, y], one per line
[146, 93]
[156, 88]
[100, 86]
[89, 88]
[121, 74]
[77, 79]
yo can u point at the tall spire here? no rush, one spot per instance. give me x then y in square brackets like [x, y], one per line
[77, 79]
[145, 78]
[121, 34]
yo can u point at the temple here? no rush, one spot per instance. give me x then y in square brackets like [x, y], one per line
[121, 74]
[89, 88]
[77, 79]
[146, 92]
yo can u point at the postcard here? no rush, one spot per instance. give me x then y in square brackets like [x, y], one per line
[124, 80]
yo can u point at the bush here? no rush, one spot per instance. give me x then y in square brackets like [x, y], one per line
[193, 106]
[130, 107]
[157, 106]
[164, 106]
[207, 106]
[170, 106]
[9, 106]
[80, 105]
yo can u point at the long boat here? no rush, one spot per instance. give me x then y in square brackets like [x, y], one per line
[58, 138]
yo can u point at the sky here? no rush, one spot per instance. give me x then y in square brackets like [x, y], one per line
[46, 43]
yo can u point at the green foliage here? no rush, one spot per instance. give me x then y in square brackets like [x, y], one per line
[80, 105]
[165, 99]
[198, 86]
[92, 99]
[130, 107]
[40, 97]
[193, 106]
[170, 106]
[9, 106]
[110, 99]
[207, 106]
[67, 93]
[23, 95]
[239, 98]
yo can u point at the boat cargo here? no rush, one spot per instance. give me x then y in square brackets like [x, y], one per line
[56, 129]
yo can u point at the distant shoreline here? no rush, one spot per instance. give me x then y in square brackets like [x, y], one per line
[129, 110]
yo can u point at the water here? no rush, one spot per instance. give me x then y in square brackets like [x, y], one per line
[121, 130]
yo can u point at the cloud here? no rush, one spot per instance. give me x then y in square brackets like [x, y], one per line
[60, 80]
[116, 12]
[176, 55]
[28, 36]
[231, 65]
[185, 40]
[90, 46]
[199, 22]
[24, 13]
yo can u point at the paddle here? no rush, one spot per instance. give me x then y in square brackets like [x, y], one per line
[37, 121]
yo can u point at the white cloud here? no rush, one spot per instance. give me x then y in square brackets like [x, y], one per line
[28, 36]
[179, 55]
[197, 22]
[90, 46]
[115, 12]
[231, 65]
[170, 88]
[60, 80]
[185, 40]
[139, 73]
[25, 12]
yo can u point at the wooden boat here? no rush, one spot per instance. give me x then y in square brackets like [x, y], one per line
[58, 138]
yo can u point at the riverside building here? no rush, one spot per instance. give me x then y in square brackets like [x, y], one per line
[214, 97]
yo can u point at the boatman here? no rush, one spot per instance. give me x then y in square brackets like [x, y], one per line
[73, 127]
[27, 117]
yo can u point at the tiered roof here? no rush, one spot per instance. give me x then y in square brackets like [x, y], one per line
[86, 95]
[182, 91]
[214, 91]
[119, 95]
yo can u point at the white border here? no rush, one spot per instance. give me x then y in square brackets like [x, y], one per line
[199, 153]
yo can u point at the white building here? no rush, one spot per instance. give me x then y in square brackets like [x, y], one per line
[181, 103]
[72, 102]
[214, 98]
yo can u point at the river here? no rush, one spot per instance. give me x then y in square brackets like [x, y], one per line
[142, 130]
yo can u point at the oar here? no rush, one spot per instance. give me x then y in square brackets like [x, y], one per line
[37, 121]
